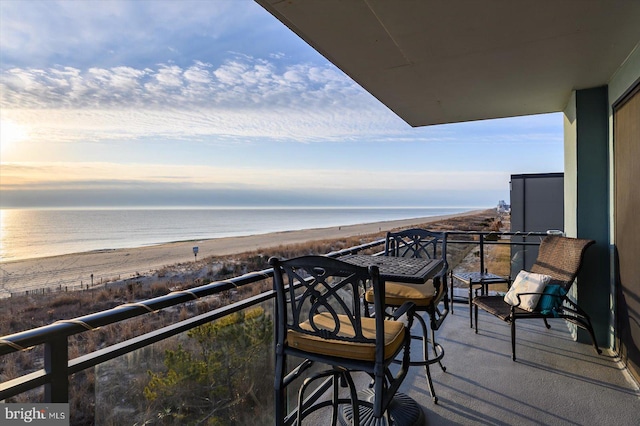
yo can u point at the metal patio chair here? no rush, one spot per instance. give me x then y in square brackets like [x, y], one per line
[560, 258]
[320, 318]
[420, 243]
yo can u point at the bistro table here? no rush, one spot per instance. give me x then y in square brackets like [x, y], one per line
[482, 279]
[405, 269]
[403, 409]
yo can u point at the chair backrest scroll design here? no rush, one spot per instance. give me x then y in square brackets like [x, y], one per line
[416, 243]
[420, 243]
[321, 285]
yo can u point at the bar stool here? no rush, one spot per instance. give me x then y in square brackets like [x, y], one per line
[320, 318]
[420, 243]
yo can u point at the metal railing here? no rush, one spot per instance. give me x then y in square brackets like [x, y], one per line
[57, 366]
[493, 237]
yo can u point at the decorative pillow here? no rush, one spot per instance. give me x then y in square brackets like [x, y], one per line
[549, 303]
[527, 282]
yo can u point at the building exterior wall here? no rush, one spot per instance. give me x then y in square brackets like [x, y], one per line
[570, 169]
[536, 206]
[589, 211]
[589, 158]
[593, 205]
[625, 243]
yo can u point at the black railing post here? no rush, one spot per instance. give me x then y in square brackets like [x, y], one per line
[56, 359]
[482, 253]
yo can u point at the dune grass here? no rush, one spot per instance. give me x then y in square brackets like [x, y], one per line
[25, 312]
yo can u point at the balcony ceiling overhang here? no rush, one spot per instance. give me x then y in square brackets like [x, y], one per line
[434, 62]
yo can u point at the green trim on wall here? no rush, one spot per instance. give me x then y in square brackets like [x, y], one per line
[593, 290]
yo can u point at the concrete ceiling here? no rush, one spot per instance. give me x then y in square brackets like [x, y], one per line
[442, 61]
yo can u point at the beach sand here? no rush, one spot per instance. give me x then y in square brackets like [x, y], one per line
[74, 270]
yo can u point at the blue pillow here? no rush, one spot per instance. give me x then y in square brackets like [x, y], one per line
[550, 304]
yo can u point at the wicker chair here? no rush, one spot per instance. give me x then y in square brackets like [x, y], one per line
[420, 243]
[560, 258]
[320, 319]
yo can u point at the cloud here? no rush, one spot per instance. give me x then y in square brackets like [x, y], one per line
[40, 176]
[151, 82]
[104, 184]
[240, 82]
[224, 85]
[243, 97]
[121, 31]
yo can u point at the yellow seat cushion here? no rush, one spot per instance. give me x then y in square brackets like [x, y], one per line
[396, 293]
[393, 338]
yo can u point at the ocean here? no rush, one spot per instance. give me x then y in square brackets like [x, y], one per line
[26, 234]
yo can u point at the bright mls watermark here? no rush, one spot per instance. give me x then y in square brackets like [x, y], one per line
[34, 414]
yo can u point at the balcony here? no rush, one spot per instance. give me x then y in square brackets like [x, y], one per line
[554, 381]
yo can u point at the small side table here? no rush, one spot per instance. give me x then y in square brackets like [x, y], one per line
[482, 279]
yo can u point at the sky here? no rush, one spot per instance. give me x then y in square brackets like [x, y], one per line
[216, 103]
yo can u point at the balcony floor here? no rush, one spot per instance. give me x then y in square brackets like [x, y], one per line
[555, 381]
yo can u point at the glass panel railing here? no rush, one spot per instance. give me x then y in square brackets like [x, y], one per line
[35, 395]
[19, 363]
[217, 373]
[500, 254]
